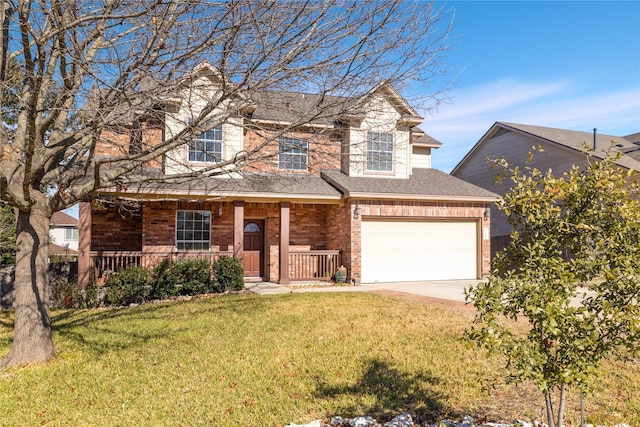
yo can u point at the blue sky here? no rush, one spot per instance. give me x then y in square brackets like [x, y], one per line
[571, 65]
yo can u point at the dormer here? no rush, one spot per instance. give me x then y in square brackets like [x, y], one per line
[215, 123]
[378, 140]
[421, 146]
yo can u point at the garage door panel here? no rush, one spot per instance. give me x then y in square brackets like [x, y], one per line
[418, 250]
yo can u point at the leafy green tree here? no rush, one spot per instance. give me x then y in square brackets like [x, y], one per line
[7, 236]
[572, 270]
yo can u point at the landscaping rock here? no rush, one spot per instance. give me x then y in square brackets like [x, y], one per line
[402, 420]
[405, 420]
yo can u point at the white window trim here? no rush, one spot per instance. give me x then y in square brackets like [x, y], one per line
[304, 153]
[368, 168]
[183, 241]
[202, 152]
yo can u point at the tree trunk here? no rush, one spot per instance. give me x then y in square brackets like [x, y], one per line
[563, 398]
[32, 341]
[549, 406]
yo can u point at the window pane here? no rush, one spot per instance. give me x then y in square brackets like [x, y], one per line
[379, 151]
[193, 230]
[252, 227]
[292, 154]
[207, 147]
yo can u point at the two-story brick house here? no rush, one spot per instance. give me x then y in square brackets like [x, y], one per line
[327, 190]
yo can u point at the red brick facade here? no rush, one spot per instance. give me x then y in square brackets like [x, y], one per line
[311, 227]
[323, 151]
[324, 221]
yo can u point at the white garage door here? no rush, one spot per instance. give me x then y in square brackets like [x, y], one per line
[404, 251]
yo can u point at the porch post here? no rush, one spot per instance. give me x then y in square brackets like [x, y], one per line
[84, 244]
[238, 229]
[285, 218]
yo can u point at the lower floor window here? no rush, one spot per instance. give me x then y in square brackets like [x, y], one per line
[193, 230]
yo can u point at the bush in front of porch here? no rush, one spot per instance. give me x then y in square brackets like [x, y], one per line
[170, 278]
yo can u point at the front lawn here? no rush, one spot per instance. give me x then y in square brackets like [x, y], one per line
[248, 360]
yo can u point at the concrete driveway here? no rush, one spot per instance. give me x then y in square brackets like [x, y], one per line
[452, 290]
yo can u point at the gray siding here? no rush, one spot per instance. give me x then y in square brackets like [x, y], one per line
[514, 147]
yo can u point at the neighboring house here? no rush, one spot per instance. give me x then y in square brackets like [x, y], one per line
[63, 234]
[562, 149]
[345, 189]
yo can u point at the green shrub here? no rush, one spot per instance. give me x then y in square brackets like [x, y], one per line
[128, 286]
[192, 277]
[64, 292]
[163, 283]
[229, 275]
[89, 297]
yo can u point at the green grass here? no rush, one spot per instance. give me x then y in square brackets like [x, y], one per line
[249, 360]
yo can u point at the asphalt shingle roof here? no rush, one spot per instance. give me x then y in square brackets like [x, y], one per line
[576, 140]
[61, 218]
[331, 185]
[263, 185]
[423, 183]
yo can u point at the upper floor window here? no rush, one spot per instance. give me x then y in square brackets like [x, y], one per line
[380, 151]
[70, 233]
[207, 147]
[193, 230]
[292, 154]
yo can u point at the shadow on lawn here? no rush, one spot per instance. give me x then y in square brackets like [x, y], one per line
[113, 329]
[384, 392]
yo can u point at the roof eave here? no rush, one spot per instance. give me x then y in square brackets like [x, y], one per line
[155, 195]
[420, 197]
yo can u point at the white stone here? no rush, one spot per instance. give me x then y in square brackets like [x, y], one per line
[402, 420]
[362, 422]
[316, 423]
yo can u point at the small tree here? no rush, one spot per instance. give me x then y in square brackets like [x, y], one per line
[576, 232]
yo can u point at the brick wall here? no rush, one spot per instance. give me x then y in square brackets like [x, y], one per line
[323, 151]
[159, 226]
[339, 235]
[112, 230]
[314, 226]
[124, 140]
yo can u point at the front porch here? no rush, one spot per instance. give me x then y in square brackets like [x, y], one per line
[304, 265]
[276, 242]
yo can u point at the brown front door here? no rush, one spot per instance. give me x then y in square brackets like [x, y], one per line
[253, 254]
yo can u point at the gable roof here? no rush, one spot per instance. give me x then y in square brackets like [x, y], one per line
[62, 219]
[424, 184]
[568, 139]
[421, 139]
[319, 109]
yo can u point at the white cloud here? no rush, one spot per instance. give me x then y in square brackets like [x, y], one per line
[462, 123]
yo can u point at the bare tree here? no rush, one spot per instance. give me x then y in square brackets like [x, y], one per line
[88, 66]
